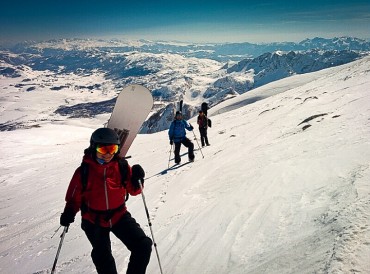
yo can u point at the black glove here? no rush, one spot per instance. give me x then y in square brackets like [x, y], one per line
[171, 142]
[67, 218]
[191, 127]
[138, 173]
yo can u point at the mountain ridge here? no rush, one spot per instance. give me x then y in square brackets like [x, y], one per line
[170, 70]
[217, 51]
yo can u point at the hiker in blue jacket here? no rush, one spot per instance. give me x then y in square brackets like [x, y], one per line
[177, 135]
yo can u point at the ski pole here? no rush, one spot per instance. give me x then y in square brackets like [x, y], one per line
[60, 246]
[169, 158]
[197, 142]
[150, 225]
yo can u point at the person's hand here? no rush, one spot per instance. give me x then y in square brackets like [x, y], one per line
[191, 127]
[171, 142]
[67, 217]
[138, 173]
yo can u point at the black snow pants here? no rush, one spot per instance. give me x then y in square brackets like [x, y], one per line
[187, 143]
[203, 136]
[131, 235]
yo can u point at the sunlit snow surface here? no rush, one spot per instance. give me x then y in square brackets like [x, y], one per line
[283, 188]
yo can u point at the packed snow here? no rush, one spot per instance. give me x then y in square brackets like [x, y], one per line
[283, 188]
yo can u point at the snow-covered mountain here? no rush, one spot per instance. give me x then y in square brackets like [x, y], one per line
[284, 187]
[105, 67]
[338, 43]
[218, 52]
[270, 67]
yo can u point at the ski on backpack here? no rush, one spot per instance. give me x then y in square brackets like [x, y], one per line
[180, 105]
[132, 107]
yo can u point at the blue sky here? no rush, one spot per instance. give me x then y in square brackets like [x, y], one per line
[206, 21]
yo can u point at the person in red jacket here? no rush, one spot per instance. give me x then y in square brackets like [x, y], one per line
[101, 200]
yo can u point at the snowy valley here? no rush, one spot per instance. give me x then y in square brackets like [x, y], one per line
[89, 73]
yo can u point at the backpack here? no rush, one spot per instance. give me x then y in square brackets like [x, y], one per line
[123, 165]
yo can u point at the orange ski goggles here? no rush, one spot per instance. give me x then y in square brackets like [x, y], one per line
[104, 149]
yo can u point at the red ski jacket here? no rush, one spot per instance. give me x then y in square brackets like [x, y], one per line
[103, 200]
[202, 122]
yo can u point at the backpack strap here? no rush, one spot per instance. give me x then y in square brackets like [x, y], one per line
[84, 175]
[123, 168]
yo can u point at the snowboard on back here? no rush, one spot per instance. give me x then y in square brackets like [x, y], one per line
[132, 107]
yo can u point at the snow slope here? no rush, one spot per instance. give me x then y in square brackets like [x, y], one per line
[283, 188]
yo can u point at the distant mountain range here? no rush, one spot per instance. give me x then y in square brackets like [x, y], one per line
[172, 71]
[218, 52]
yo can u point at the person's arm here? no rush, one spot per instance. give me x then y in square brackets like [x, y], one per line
[136, 173]
[73, 199]
[187, 125]
[170, 131]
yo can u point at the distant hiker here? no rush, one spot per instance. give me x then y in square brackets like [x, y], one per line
[203, 126]
[177, 135]
[98, 187]
[204, 107]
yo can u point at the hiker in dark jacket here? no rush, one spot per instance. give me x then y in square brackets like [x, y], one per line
[203, 126]
[177, 135]
[101, 198]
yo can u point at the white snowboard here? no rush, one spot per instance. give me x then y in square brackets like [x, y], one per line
[130, 111]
